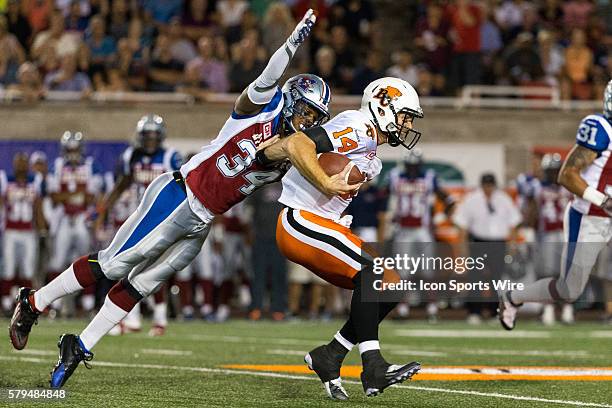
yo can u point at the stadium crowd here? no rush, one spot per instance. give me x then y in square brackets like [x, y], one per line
[203, 46]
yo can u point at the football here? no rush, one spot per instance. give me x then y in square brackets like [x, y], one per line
[334, 163]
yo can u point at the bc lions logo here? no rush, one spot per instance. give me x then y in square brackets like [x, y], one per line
[387, 94]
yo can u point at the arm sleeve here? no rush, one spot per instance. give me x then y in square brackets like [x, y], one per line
[262, 90]
[322, 142]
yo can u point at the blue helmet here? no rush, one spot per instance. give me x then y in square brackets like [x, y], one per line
[309, 90]
[608, 101]
[150, 127]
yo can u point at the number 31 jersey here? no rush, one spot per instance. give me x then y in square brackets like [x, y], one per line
[352, 134]
[225, 171]
[595, 133]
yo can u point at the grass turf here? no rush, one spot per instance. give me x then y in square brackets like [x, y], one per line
[204, 345]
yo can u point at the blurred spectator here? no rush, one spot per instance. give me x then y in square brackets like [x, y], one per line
[67, 78]
[578, 64]
[523, 61]
[465, 19]
[277, 26]
[551, 14]
[432, 38]
[510, 16]
[165, 72]
[370, 71]
[130, 67]
[196, 19]
[119, 19]
[100, 7]
[180, 47]
[207, 68]
[551, 57]
[300, 7]
[102, 47]
[12, 54]
[368, 209]
[355, 15]
[140, 43]
[162, 11]
[74, 20]
[38, 13]
[576, 14]
[491, 44]
[245, 65]
[111, 80]
[345, 56]
[431, 84]
[193, 84]
[29, 84]
[403, 67]
[325, 67]
[18, 24]
[230, 17]
[56, 37]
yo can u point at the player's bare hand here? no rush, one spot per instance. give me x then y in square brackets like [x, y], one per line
[607, 205]
[268, 142]
[338, 183]
[303, 29]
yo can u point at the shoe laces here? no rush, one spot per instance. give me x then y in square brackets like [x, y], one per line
[85, 356]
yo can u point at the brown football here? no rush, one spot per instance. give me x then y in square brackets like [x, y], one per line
[334, 163]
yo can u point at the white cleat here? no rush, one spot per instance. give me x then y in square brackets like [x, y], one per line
[548, 315]
[507, 312]
[567, 314]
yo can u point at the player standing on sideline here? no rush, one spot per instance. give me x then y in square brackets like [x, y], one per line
[587, 226]
[312, 232]
[550, 202]
[20, 198]
[140, 165]
[74, 185]
[171, 223]
[413, 191]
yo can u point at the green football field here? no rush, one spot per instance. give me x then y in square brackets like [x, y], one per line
[244, 364]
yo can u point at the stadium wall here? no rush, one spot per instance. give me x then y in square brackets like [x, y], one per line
[518, 131]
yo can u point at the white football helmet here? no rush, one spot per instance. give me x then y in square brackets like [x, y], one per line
[306, 89]
[608, 100]
[72, 146]
[383, 99]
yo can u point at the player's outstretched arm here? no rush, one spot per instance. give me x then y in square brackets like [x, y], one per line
[261, 91]
[301, 150]
[578, 159]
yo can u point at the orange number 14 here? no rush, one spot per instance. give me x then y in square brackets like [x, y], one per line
[348, 144]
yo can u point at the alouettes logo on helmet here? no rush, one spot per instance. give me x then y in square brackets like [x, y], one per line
[387, 94]
[306, 83]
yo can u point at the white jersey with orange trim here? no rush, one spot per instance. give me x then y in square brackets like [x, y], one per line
[352, 134]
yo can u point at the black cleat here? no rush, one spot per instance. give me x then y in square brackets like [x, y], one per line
[71, 354]
[381, 376]
[327, 367]
[23, 318]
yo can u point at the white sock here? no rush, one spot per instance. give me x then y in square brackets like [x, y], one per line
[345, 343]
[369, 345]
[534, 292]
[88, 302]
[159, 314]
[109, 315]
[65, 284]
[7, 303]
[133, 320]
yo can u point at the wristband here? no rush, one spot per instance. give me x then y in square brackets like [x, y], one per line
[261, 158]
[593, 196]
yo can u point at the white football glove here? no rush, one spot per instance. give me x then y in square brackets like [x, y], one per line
[302, 29]
[374, 168]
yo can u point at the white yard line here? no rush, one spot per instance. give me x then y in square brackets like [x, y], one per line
[36, 352]
[494, 334]
[299, 377]
[166, 352]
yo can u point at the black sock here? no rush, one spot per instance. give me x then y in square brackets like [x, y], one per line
[348, 330]
[364, 316]
[372, 358]
[337, 350]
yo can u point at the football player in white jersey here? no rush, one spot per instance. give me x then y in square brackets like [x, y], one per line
[587, 173]
[170, 225]
[312, 232]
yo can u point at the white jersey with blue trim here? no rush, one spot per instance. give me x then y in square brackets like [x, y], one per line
[595, 133]
[144, 168]
[352, 134]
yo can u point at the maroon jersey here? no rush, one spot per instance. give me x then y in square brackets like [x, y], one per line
[19, 199]
[552, 200]
[225, 171]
